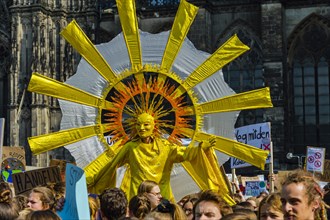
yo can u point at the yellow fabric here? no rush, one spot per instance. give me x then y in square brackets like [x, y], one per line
[48, 86]
[97, 169]
[247, 153]
[207, 174]
[129, 24]
[78, 39]
[146, 162]
[184, 17]
[229, 51]
[259, 98]
[47, 142]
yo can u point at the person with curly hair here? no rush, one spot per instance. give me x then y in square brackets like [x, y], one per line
[210, 205]
[6, 194]
[302, 197]
[270, 207]
[41, 198]
[113, 204]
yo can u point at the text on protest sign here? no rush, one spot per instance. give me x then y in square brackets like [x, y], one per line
[26, 181]
[76, 197]
[257, 135]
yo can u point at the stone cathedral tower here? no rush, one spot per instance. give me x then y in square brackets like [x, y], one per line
[36, 46]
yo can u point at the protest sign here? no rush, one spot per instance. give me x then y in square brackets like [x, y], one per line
[325, 177]
[25, 181]
[257, 135]
[76, 197]
[315, 159]
[13, 161]
[244, 179]
[254, 188]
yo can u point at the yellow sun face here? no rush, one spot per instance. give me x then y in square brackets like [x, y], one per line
[118, 98]
[160, 95]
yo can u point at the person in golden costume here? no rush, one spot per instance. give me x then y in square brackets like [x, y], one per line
[152, 158]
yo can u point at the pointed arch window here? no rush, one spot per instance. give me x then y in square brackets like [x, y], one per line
[309, 104]
[246, 73]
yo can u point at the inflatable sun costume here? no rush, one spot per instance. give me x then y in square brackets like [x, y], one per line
[163, 76]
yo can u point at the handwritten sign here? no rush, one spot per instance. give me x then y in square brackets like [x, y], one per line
[257, 135]
[25, 181]
[315, 159]
[76, 197]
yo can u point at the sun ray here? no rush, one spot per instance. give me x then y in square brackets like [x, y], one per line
[247, 153]
[252, 155]
[129, 24]
[259, 98]
[47, 142]
[78, 39]
[185, 16]
[229, 51]
[48, 86]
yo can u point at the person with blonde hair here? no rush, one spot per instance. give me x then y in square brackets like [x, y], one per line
[94, 206]
[210, 205]
[270, 208]
[302, 197]
[166, 210]
[41, 198]
[151, 190]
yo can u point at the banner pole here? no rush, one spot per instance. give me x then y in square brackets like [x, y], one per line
[271, 169]
[2, 131]
[233, 174]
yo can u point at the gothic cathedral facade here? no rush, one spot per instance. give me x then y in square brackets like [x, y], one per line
[290, 53]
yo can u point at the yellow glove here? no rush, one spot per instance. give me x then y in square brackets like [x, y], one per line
[205, 145]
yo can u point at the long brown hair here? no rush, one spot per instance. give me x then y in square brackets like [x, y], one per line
[146, 186]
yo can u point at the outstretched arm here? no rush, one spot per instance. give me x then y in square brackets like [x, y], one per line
[205, 145]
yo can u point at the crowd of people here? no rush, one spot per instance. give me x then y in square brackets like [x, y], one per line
[300, 198]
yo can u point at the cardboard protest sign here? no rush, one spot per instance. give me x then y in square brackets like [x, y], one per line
[244, 179]
[315, 159]
[25, 181]
[257, 135]
[76, 197]
[13, 161]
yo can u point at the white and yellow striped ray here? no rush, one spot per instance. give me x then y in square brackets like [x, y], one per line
[259, 98]
[50, 87]
[129, 24]
[78, 39]
[185, 16]
[229, 51]
[247, 153]
[47, 142]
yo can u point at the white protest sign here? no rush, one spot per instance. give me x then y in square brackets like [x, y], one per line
[76, 197]
[257, 135]
[315, 159]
